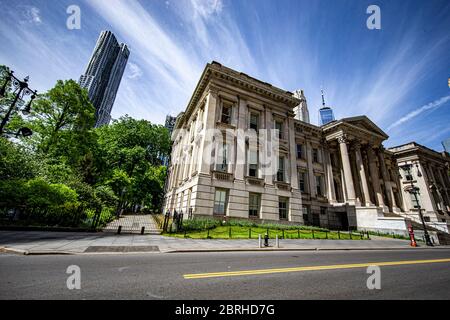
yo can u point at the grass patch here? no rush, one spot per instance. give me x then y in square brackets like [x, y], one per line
[241, 232]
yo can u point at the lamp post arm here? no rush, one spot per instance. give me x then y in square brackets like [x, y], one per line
[8, 114]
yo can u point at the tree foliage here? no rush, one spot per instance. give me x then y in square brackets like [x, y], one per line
[69, 173]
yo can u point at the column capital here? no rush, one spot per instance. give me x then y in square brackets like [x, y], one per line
[214, 91]
[357, 145]
[373, 145]
[343, 139]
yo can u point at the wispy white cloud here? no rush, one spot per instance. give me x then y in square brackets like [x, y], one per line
[432, 105]
[30, 14]
[207, 8]
[134, 71]
[150, 41]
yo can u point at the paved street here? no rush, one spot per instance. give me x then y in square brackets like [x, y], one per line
[163, 276]
[75, 243]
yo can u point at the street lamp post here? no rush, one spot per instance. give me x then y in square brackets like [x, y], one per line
[414, 191]
[21, 90]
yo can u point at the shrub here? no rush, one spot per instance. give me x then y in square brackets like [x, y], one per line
[53, 204]
[106, 195]
[15, 162]
[201, 224]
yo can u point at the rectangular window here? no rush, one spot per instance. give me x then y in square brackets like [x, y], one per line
[305, 211]
[319, 185]
[220, 201]
[302, 181]
[254, 121]
[279, 127]
[414, 201]
[408, 173]
[226, 113]
[315, 155]
[280, 173]
[222, 159]
[299, 151]
[253, 163]
[283, 208]
[254, 204]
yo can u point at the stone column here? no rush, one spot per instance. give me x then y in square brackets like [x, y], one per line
[387, 181]
[268, 178]
[331, 192]
[374, 176]
[362, 175]
[311, 178]
[440, 196]
[349, 186]
[240, 143]
[444, 187]
[205, 148]
[292, 154]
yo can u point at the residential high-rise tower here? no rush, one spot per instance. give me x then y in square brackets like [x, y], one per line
[103, 75]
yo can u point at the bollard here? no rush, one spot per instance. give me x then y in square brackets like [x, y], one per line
[312, 233]
[229, 232]
[207, 234]
[266, 240]
[339, 234]
[250, 233]
[277, 241]
[326, 234]
[259, 241]
[142, 230]
[119, 230]
[298, 233]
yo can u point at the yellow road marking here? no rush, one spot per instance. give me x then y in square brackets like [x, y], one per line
[312, 268]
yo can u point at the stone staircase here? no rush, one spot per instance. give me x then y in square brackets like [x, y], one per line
[134, 224]
[442, 237]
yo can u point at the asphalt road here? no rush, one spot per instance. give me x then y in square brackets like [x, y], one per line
[163, 276]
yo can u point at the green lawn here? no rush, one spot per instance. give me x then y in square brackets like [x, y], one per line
[239, 232]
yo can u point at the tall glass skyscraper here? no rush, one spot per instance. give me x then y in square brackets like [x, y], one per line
[103, 75]
[325, 113]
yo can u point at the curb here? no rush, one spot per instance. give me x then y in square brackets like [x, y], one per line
[40, 253]
[34, 253]
[293, 249]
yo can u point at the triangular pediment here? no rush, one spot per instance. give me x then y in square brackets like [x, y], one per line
[366, 124]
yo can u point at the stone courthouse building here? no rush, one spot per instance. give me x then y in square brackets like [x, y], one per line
[337, 175]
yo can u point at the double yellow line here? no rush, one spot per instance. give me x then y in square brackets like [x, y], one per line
[312, 268]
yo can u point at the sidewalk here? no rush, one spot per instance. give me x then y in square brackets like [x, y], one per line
[34, 242]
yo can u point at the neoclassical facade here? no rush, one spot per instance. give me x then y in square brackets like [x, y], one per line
[428, 170]
[337, 176]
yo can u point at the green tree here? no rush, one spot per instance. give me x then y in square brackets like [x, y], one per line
[16, 162]
[62, 120]
[132, 151]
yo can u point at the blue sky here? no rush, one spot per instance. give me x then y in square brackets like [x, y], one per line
[397, 76]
